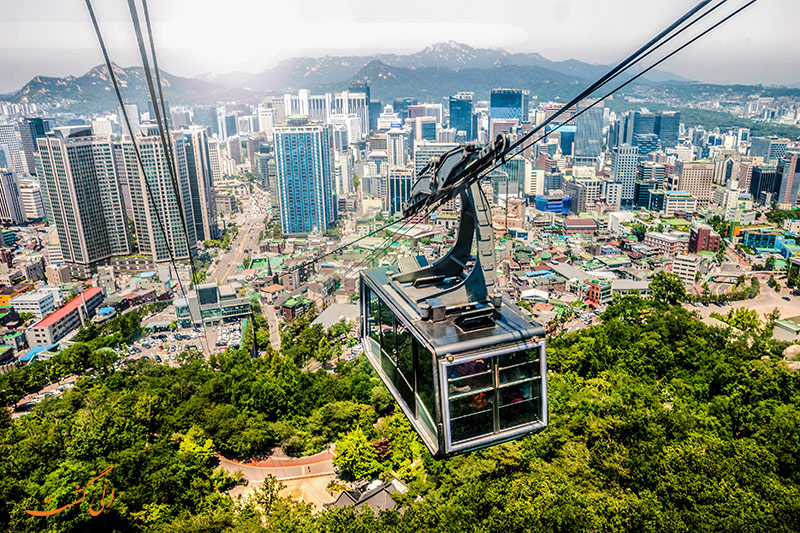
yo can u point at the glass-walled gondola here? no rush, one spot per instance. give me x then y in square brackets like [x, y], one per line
[460, 389]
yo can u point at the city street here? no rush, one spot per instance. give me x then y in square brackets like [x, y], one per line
[251, 219]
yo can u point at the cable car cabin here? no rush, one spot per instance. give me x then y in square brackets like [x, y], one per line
[465, 364]
[462, 388]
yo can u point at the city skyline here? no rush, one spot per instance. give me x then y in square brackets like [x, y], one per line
[265, 35]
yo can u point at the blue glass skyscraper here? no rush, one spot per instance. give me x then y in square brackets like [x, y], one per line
[509, 104]
[589, 133]
[461, 114]
[305, 178]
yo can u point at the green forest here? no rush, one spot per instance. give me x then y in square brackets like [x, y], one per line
[658, 423]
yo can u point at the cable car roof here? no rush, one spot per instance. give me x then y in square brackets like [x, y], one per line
[445, 337]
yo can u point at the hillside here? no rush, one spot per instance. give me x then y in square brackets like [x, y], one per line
[657, 423]
[93, 91]
[300, 72]
[434, 83]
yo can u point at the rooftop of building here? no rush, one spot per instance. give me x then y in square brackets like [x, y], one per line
[67, 308]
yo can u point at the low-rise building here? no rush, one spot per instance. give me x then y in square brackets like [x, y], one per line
[38, 303]
[667, 243]
[598, 291]
[60, 322]
[579, 225]
[294, 307]
[671, 203]
[630, 286]
[210, 304]
[57, 274]
[686, 267]
[703, 238]
[6, 293]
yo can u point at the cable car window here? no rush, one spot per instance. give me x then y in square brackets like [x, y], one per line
[387, 330]
[469, 377]
[471, 415]
[492, 394]
[424, 384]
[405, 364]
[374, 318]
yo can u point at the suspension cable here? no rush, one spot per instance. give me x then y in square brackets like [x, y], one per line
[164, 133]
[139, 159]
[642, 73]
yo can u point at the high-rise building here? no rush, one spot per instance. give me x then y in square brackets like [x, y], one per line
[353, 103]
[462, 115]
[534, 183]
[214, 159]
[396, 149]
[763, 184]
[643, 123]
[516, 170]
[583, 193]
[509, 104]
[12, 146]
[351, 122]
[787, 177]
[667, 127]
[375, 109]
[399, 189]
[401, 105]
[153, 218]
[623, 170]
[425, 128]
[11, 211]
[770, 148]
[647, 143]
[305, 176]
[652, 172]
[83, 198]
[589, 133]
[31, 129]
[30, 194]
[206, 116]
[318, 107]
[132, 111]
[696, 178]
[201, 184]
[233, 147]
[425, 150]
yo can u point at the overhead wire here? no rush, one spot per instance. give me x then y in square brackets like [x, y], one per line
[644, 51]
[160, 111]
[642, 73]
[383, 246]
[137, 151]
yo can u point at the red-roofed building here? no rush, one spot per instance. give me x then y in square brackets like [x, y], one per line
[579, 225]
[70, 316]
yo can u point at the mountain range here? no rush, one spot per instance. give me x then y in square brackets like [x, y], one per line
[308, 72]
[439, 70]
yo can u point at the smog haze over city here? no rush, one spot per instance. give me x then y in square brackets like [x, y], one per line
[413, 267]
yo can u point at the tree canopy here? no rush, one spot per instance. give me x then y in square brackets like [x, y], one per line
[658, 422]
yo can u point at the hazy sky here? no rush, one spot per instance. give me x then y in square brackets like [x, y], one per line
[55, 38]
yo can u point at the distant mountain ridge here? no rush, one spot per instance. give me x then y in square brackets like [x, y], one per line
[93, 91]
[307, 72]
[437, 71]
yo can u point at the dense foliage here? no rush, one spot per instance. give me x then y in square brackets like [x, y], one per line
[779, 216]
[658, 423]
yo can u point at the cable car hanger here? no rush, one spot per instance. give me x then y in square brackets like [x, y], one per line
[466, 366]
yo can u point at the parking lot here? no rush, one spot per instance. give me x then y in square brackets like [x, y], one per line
[166, 345]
